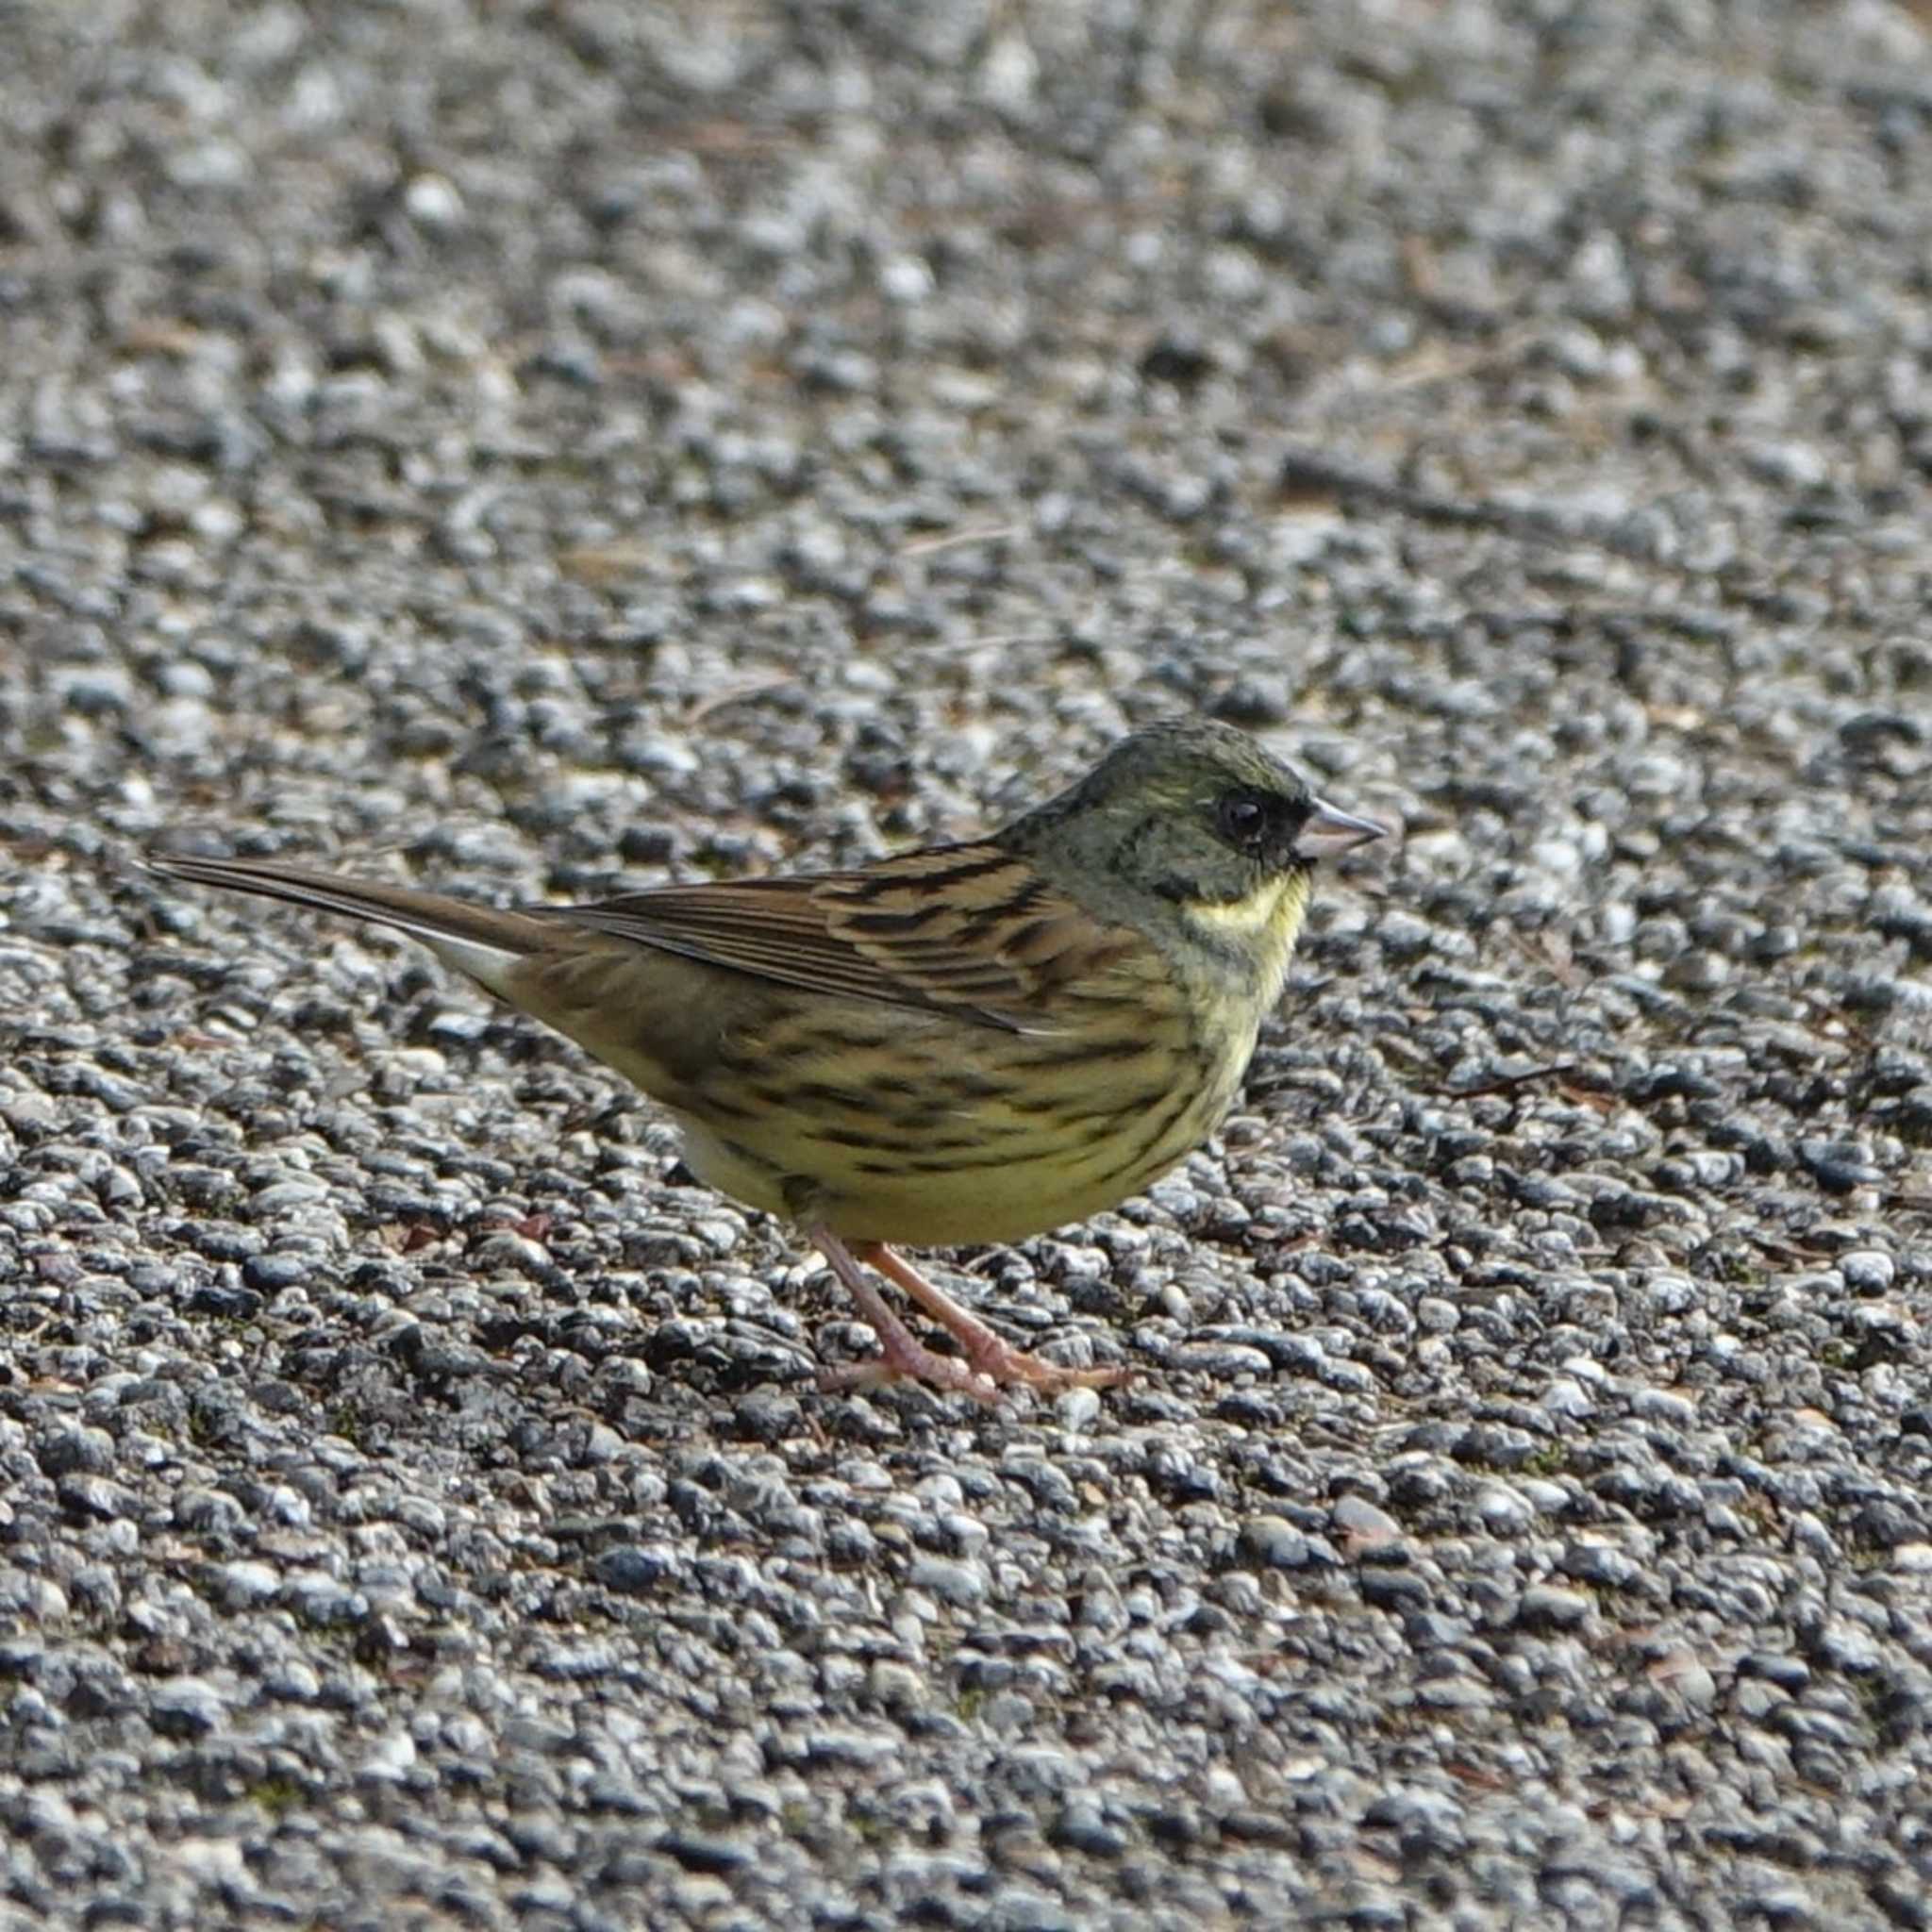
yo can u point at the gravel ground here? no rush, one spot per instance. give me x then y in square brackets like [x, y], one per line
[534, 447]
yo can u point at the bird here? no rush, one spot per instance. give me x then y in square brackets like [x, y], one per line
[962, 1044]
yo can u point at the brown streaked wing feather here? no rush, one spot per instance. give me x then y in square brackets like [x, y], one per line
[969, 929]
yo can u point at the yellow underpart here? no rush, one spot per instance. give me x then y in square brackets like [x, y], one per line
[909, 1126]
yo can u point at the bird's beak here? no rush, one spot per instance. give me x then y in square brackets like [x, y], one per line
[1328, 830]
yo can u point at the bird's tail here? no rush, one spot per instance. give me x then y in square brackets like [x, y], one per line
[475, 940]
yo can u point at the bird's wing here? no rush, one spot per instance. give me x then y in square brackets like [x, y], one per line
[968, 929]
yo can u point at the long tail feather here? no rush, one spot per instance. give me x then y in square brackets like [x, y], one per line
[475, 940]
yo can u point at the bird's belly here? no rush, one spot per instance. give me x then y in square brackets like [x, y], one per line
[965, 1157]
[888, 1124]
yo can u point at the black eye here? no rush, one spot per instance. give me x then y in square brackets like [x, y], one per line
[1242, 818]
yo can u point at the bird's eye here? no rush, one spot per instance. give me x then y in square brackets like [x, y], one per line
[1242, 818]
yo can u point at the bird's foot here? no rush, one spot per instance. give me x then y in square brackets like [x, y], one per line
[1003, 1365]
[987, 1362]
[909, 1362]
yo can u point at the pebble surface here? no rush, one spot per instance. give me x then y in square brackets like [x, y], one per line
[541, 450]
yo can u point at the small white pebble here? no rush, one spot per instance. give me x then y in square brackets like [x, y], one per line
[1565, 1396]
[1867, 1271]
[432, 202]
[1076, 1408]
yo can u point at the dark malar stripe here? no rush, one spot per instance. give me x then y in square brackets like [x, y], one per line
[1183, 889]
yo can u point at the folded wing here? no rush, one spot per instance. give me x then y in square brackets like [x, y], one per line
[968, 929]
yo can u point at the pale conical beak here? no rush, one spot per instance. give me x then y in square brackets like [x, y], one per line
[1328, 830]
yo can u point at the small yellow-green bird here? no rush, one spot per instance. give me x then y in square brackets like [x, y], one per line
[965, 1043]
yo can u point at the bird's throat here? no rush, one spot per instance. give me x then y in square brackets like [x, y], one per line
[1252, 938]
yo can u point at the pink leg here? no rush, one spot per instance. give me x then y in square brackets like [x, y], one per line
[901, 1354]
[991, 1360]
[991, 1355]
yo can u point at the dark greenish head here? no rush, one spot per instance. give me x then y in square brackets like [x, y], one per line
[1191, 812]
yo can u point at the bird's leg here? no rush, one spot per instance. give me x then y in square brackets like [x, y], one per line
[901, 1353]
[989, 1355]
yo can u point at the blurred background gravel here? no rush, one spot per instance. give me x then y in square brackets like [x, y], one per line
[534, 447]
